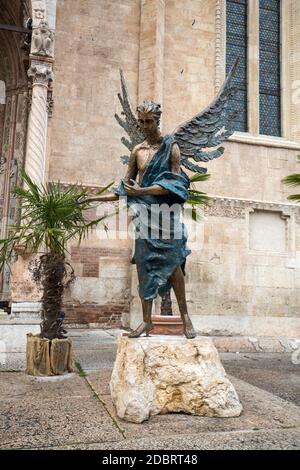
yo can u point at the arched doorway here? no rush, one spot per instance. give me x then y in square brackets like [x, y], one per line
[14, 105]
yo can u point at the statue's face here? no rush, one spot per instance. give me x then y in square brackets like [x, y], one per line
[147, 123]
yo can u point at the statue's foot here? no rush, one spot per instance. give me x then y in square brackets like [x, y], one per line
[188, 328]
[144, 327]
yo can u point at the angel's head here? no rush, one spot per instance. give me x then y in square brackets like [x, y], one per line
[149, 114]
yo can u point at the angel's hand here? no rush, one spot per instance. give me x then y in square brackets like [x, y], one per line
[133, 189]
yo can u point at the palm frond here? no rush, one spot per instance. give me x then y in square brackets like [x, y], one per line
[196, 197]
[293, 180]
[199, 177]
[50, 217]
[104, 189]
[294, 197]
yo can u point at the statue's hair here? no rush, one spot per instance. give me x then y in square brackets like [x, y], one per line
[150, 107]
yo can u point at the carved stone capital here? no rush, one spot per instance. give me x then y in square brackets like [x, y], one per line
[40, 73]
[42, 40]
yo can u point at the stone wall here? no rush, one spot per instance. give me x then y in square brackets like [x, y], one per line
[239, 282]
[94, 38]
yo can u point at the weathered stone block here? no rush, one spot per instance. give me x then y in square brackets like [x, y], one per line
[159, 375]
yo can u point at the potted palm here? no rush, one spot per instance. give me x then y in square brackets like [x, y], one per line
[51, 216]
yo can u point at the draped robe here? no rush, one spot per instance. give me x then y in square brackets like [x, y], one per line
[160, 244]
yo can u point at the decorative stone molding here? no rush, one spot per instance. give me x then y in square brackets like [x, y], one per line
[2, 164]
[42, 40]
[226, 208]
[26, 310]
[239, 208]
[38, 10]
[293, 66]
[264, 140]
[50, 101]
[220, 62]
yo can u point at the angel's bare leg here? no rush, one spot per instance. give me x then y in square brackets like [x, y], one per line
[178, 284]
[146, 326]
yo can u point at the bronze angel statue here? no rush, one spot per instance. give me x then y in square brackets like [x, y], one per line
[154, 179]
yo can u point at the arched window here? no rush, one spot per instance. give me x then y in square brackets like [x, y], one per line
[236, 45]
[269, 67]
[253, 34]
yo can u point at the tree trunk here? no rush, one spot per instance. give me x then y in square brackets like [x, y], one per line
[49, 357]
[52, 273]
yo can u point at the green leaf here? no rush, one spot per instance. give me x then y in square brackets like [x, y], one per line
[199, 177]
[50, 217]
[101, 191]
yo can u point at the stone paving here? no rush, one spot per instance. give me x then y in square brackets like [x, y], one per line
[76, 412]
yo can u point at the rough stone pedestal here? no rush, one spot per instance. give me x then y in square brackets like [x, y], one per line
[165, 374]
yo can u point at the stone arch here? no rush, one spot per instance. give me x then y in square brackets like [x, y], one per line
[13, 113]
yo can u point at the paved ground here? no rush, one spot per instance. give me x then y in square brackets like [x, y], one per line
[75, 412]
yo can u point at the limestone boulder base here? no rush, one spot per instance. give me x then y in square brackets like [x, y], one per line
[170, 374]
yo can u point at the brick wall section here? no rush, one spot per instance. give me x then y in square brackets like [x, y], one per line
[107, 316]
[89, 258]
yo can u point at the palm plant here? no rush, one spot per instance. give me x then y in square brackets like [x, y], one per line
[293, 180]
[51, 216]
[197, 198]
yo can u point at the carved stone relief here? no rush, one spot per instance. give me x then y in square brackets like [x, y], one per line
[42, 40]
[39, 10]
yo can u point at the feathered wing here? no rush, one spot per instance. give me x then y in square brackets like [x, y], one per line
[207, 129]
[129, 123]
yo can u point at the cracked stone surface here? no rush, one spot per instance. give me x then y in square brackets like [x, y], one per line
[167, 374]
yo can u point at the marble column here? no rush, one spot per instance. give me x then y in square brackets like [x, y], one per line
[25, 305]
[41, 74]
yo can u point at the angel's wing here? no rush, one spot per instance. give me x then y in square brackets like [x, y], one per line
[207, 129]
[129, 123]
